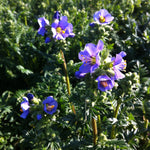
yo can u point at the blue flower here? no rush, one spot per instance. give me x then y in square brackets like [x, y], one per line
[50, 105]
[39, 116]
[102, 17]
[30, 96]
[56, 15]
[90, 57]
[43, 23]
[47, 40]
[79, 74]
[105, 83]
[119, 64]
[62, 29]
[24, 108]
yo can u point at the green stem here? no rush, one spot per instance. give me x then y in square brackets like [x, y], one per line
[99, 124]
[67, 80]
[66, 72]
[25, 20]
[95, 133]
[113, 134]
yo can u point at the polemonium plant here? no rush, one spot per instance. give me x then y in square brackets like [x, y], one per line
[102, 17]
[50, 105]
[119, 64]
[24, 108]
[61, 29]
[105, 83]
[42, 23]
[90, 57]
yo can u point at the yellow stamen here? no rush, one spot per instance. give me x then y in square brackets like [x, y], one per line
[93, 60]
[58, 29]
[102, 19]
[125, 64]
[104, 83]
[63, 31]
[21, 110]
[49, 107]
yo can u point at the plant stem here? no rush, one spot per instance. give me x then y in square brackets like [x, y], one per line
[113, 134]
[94, 126]
[66, 72]
[99, 124]
[67, 79]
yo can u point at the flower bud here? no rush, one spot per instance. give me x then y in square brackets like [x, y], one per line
[36, 100]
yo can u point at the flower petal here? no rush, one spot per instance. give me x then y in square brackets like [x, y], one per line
[104, 12]
[93, 68]
[42, 31]
[118, 75]
[108, 18]
[43, 22]
[100, 45]
[122, 53]
[54, 25]
[91, 48]
[64, 18]
[79, 74]
[83, 55]
[85, 68]
[47, 40]
[24, 114]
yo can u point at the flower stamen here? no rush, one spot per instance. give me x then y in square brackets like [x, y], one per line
[58, 29]
[93, 60]
[102, 19]
[104, 83]
[125, 64]
[21, 110]
[49, 107]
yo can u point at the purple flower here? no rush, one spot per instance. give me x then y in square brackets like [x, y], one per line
[105, 83]
[50, 105]
[39, 116]
[42, 22]
[56, 15]
[118, 65]
[47, 40]
[24, 108]
[62, 29]
[79, 74]
[90, 57]
[30, 96]
[102, 17]
[92, 24]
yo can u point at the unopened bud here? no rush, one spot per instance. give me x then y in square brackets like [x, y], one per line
[36, 100]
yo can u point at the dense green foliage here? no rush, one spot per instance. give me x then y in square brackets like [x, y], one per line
[28, 65]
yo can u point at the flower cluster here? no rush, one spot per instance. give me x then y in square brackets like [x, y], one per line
[90, 57]
[50, 105]
[60, 28]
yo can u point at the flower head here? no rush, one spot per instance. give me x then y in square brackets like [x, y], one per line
[24, 108]
[119, 64]
[50, 105]
[56, 15]
[103, 17]
[43, 23]
[30, 96]
[90, 57]
[62, 29]
[79, 74]
[105, 83]
[39, 116]
[47, 40]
